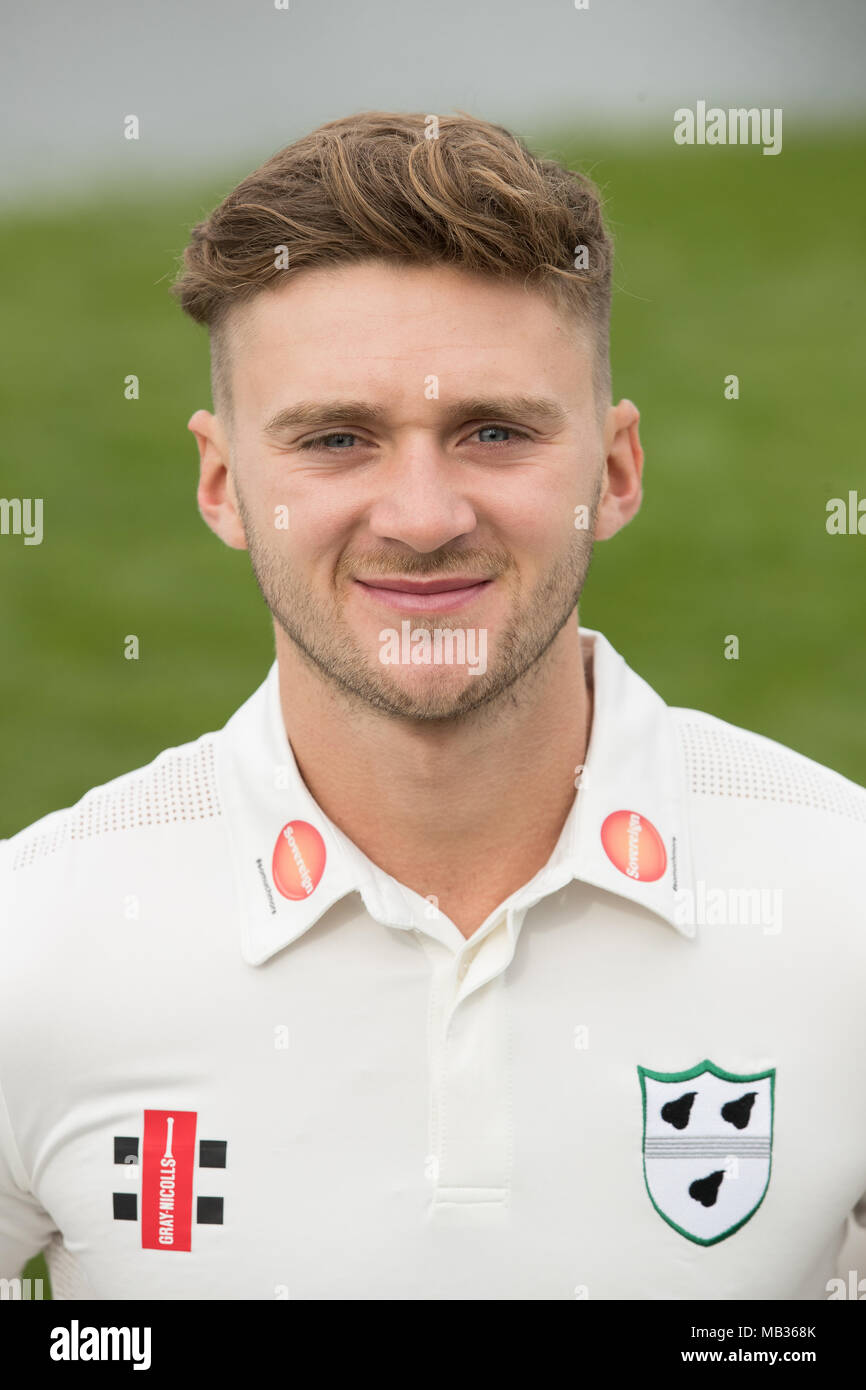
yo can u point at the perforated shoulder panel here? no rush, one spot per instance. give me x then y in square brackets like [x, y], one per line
[179, 785]
[722, 760]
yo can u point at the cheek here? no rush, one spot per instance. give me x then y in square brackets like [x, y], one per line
[327, 514]
[544, 527]
[296, 526]
[314, 554]
[537, 503]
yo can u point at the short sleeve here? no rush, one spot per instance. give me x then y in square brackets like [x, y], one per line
[25, 1226]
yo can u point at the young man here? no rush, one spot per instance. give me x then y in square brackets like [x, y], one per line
[460, 965]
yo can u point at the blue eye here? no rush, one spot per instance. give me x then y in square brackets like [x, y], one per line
[503, 429]
[322, 439]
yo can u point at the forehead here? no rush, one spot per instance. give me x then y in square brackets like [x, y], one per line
[364, 327]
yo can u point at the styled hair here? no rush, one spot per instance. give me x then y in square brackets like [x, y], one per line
[410, 189]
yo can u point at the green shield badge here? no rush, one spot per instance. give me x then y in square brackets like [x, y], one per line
[707, 1147]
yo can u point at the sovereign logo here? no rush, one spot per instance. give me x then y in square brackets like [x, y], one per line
[707, 1146]
[298, 860]
[633, 845]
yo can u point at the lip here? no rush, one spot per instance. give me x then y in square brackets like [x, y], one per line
[425, 595]
[426, 586]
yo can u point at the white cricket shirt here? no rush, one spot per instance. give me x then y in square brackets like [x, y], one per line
[239, 1061]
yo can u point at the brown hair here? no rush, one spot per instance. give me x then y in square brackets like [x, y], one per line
[375, 185]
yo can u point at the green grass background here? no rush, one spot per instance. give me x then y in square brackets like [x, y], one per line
[727, 261]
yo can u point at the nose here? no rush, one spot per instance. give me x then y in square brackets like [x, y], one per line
[420, 501]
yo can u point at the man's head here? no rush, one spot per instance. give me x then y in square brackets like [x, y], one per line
[380, 303]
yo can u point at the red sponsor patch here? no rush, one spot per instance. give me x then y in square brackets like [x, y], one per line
[167, 1158]
[299, 859]
[634, 846]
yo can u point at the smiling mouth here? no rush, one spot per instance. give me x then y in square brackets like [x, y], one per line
[425, 586]
[443, 595]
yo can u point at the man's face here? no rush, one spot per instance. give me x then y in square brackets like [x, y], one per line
[422, 425]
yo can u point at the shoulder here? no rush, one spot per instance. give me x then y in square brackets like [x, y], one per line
[774, 837]
[762, 814]
[726, 762]
[96, 897]
[132, 815]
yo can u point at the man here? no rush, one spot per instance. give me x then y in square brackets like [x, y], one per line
[457, 965]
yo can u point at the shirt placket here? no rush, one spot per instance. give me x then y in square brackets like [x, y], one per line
[470, 1072]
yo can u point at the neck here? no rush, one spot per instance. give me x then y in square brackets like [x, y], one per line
[467, 812]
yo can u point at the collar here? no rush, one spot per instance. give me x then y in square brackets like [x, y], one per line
[626, 832]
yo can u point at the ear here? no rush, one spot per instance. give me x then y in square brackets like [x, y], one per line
[622, 492]
[217, 499]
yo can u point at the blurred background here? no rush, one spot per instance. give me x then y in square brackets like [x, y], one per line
[728, 261]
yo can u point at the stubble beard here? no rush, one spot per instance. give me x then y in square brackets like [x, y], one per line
[517, 653]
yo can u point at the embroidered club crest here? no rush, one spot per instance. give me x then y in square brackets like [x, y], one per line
[707, 1144]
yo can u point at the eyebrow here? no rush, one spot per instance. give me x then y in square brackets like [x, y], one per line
[317, 414]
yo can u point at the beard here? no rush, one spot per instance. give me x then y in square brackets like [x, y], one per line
[318, 630]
